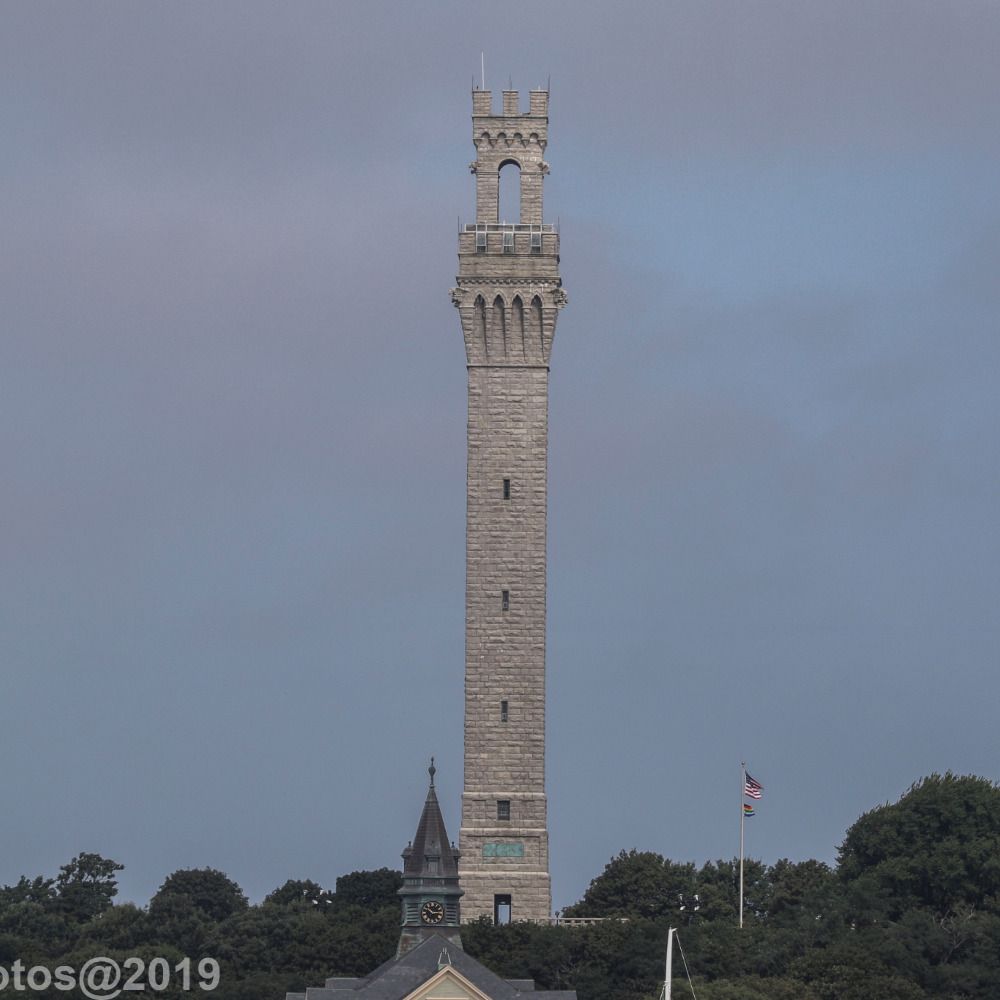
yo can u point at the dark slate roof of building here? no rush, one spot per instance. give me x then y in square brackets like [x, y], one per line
[431, 839]
[399, 977]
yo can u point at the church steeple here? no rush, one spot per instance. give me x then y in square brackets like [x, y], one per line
[430, 891]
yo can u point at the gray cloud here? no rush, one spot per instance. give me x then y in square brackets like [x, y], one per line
[233, 423]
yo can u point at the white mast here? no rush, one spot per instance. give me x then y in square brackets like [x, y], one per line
[668, 972]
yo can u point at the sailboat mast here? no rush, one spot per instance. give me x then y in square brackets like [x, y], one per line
[668, 972]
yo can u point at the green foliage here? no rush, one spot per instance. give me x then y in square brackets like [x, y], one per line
[912, 912]
[749, 988]
[635, 883]
[370, 889]
[31, 931]
[614, 959]
[295, 892]
[524, 951]
[209, 893]
[718, 885]
[125, 927]
[39, 890]
[86, 885]
[645, 884]
[938, 847]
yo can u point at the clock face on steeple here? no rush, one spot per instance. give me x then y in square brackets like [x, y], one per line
[432, 912]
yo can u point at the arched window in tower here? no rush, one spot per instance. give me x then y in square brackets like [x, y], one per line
[480, 323]
[517, 328]
[509, 193]
[533, 333]
[498, 334]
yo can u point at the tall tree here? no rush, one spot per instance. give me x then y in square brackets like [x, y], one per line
[636, 884]
[937, 847]
[370, 889]
[86, 886]
[213, 894]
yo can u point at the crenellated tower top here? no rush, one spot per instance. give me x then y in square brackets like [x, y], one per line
[509, 290]
[510, 138]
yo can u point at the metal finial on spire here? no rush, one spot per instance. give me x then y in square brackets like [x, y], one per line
[432, 770]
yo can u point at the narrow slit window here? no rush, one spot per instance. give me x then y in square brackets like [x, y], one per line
[503, 808]
[508, 241]
[480, 241]
[505, 600]
[506, 489]
[504, 714]
[536, 242]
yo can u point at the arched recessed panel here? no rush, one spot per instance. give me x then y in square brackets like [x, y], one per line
[517, 329]
[534, 335]
[479, 324]
[498, 329]
[509, 193]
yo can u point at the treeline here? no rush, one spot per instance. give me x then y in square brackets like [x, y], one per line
[911, 911]
[298, 936]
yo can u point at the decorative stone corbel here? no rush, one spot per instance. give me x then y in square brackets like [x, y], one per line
[559, 297]
[457, 295]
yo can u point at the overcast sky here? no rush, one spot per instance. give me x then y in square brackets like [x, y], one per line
[233, 423]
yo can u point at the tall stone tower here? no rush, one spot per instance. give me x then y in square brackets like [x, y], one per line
[509, 294]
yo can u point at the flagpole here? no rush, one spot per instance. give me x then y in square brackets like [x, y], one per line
[743, 786]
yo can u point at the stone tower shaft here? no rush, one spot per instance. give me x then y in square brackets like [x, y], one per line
[508, 295]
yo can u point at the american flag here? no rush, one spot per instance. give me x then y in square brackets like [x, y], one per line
[752, 786]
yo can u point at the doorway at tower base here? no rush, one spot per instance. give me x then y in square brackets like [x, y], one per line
[507, 896]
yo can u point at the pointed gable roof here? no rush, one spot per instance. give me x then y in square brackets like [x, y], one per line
[404, 977]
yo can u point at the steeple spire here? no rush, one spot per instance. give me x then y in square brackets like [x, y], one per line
[430, 854]
[430, 891]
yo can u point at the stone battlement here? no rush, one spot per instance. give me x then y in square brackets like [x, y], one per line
[538, 104]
